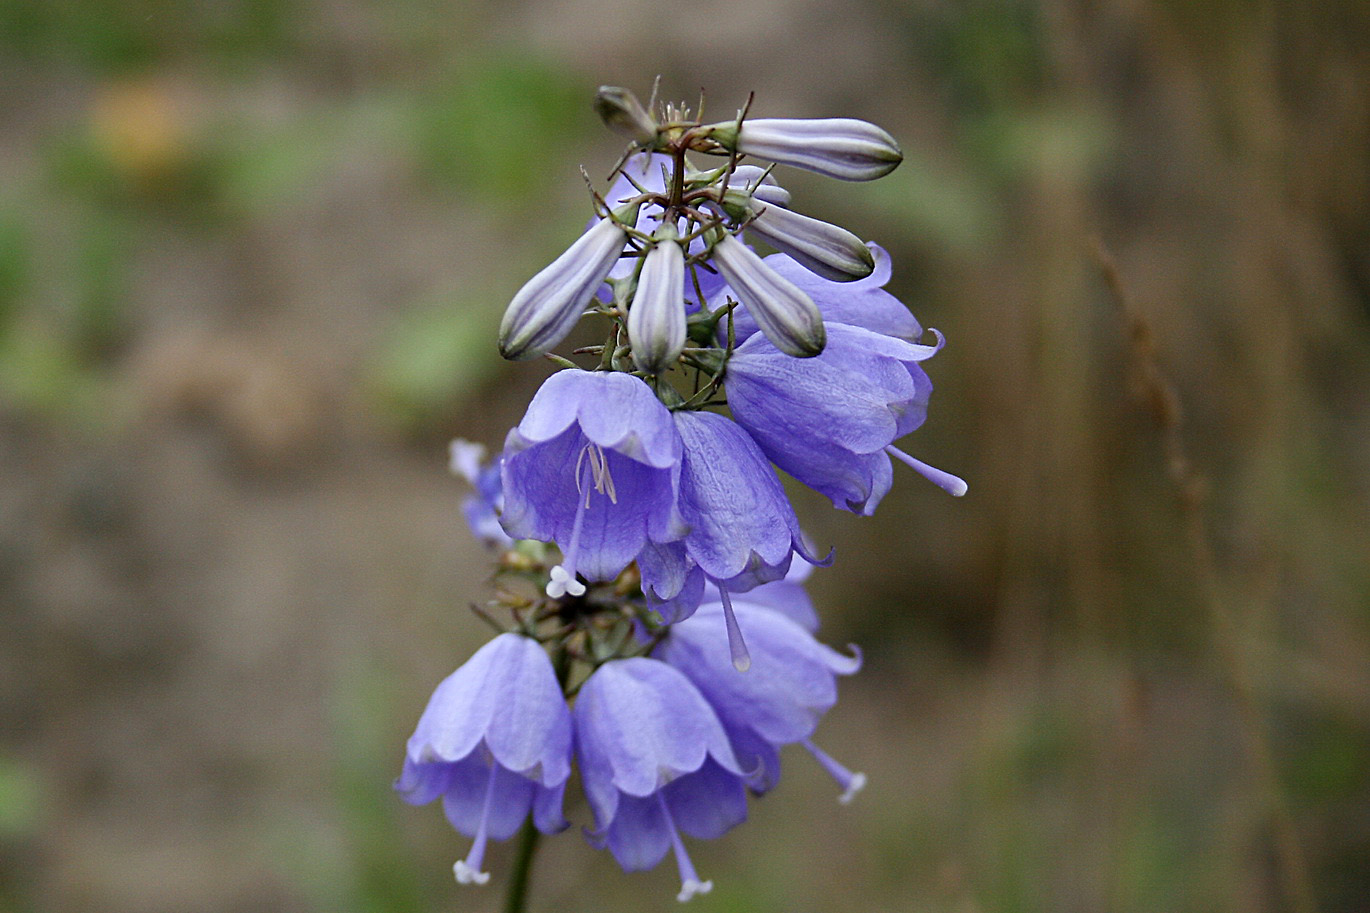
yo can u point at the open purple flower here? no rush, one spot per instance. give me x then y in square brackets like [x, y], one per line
[863, 303]
[742, 529]
[830, 421]
[494, 743]
[792, 683]
[655, 761]
[593, 466]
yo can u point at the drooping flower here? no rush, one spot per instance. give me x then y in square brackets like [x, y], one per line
[863, 303]
[742, 531]
[830, 421]
[779, 701]
[482, 508]
[655, 761]
[549, 304]
[837, 147]
[594, 467]
[494, 743]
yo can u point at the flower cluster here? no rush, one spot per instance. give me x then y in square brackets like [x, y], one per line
[660, 637]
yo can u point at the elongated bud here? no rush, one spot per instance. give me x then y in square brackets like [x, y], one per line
[623, 113]
[787, 316]
[656, 318]
[550, 303]
[839, 147]
[828, 250]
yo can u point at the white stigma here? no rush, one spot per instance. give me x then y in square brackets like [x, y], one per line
[467, 875]
[692, 887]
[854, 786]
[564, 582]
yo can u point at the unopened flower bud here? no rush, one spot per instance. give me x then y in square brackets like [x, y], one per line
[760, 184]
[839, 147]
[656, 318]
[787, 316]
[548, 305]
[623, 113]
[828, 250]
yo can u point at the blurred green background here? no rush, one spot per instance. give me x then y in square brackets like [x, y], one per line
[251, 258]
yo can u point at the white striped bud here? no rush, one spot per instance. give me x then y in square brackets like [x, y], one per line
[759, 184]
[550, 303]
[839, 147]
[821, 247]
[785, 314]
[656, 318]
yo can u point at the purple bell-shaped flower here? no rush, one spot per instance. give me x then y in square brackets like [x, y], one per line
[742, 529]
[655, 761]
[594, 467]
[778, 701]
[830, 421]
[494, 743]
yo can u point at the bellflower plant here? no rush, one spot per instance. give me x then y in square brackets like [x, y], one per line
[654, 630]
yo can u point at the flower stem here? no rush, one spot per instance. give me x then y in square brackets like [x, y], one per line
[516, 899]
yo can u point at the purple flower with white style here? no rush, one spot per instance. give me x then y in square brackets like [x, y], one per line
[655, 761]
[779, 701]
[494, 743]
[594, 467]
[742, 529]
[831, 420]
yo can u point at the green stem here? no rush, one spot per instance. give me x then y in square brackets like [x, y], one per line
[515, 901]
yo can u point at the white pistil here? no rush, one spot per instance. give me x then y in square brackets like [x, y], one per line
[592, 475]
[851, 783]
[468, 870]
[952, 485]
[690, 885]
[742, 658]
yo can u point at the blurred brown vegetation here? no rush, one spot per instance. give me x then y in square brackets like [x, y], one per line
[251, 255]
